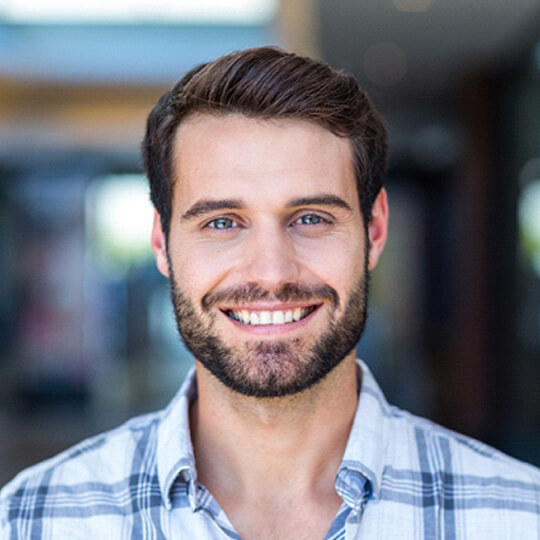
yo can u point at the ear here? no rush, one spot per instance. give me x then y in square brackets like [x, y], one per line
[159, 245]
[378, 228]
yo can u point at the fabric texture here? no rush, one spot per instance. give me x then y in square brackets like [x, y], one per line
[401, 477]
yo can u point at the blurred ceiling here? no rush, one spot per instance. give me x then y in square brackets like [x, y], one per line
[411, 56]
[117, 54]
[403, 51]
[409, 51]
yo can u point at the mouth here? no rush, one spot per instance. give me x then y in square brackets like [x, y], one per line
[275, 317]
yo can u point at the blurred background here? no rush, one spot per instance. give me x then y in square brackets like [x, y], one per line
[87, 337]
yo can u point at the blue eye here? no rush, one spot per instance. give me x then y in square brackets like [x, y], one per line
[309, 219]
[222, 223]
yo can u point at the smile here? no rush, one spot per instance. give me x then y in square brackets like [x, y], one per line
[268, 318]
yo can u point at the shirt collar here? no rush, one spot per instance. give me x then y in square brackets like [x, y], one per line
[175, 457]
[359, 474]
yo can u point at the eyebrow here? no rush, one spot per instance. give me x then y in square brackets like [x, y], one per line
[211, 205]
[320, 200]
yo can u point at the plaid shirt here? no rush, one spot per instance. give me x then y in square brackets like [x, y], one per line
[401, 477]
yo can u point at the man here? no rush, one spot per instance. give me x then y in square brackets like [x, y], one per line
[266, 173]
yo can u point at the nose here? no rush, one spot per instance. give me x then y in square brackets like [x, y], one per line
[270, 260]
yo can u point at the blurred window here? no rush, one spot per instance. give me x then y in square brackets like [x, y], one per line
[133, 11]
[117, 240]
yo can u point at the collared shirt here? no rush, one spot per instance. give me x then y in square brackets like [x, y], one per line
[401, 477]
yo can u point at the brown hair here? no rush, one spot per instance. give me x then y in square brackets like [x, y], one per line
[268, 82]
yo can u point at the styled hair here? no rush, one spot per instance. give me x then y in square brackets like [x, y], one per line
[267, 83]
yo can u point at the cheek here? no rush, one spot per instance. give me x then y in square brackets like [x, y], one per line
[335, 262]
[198, 267]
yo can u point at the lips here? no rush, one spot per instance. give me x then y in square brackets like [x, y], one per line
[250, 317]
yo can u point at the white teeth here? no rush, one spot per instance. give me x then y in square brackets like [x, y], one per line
[256, 318]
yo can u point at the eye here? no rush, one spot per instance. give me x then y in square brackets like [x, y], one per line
[221, 223]
[310, 219]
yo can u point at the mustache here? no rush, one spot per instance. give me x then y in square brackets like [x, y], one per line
[289, 292]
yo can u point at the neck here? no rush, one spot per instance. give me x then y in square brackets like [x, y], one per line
[294, 443]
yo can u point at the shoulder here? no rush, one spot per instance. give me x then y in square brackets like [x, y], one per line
[98, 456]
[440, 448]
[476, 487]
[101, 464]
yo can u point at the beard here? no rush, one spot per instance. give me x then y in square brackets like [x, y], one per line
[282, 367]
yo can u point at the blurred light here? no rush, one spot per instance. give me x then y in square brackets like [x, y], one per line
[385, 64]
[412, 5]
[529, 223]
[119, 222]
[133, 11]
[529, 172]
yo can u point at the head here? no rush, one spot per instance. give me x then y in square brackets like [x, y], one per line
[266, 172]
[268, 83]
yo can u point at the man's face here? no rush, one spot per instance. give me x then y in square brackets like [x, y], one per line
[267, 253]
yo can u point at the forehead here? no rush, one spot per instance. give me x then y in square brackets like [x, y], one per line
[259, 161]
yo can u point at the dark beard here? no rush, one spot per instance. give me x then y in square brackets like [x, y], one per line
[277, 368]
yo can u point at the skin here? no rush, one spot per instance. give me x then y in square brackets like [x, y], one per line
[295, 443]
